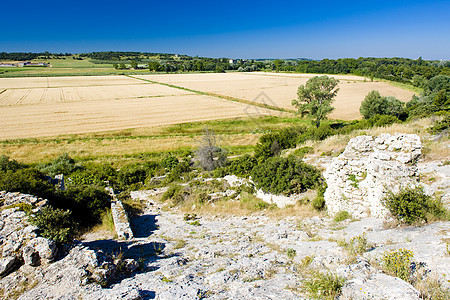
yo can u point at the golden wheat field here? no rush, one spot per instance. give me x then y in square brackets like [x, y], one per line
[278, 89]
[38, 107]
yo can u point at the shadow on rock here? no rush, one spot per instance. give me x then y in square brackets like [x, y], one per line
[137, 251]
[143, 226]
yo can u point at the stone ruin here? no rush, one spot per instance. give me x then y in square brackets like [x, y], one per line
[361, 176]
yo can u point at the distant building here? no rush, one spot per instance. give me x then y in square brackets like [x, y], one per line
[30, 64]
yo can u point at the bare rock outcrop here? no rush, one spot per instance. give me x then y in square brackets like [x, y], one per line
[359, 178]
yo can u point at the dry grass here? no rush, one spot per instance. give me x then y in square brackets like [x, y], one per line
[125, 148]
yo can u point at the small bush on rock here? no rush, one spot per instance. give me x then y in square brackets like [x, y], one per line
[324, 285]
[412, 205]
[398, 263]
[55, 224]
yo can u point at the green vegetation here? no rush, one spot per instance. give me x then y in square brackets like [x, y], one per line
[374, 104]
[315, 97]
[55, 224]
[324, 285]
[397, 263]
[287, 176]
[412, 205]
[341, 216]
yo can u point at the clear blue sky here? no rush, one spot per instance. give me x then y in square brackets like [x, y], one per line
[235, 29]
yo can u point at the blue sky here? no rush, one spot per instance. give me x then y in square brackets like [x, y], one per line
[235, 29]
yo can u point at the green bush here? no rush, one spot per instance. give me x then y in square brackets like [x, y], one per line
[374, 104]
[243, 165]
[86, 202]
[7, 164]
[442, 125]
[172, 190]
[54, 224]
[341, 216]
[397, 263]
[289, 175]
[170, 162]
[302, 151]
[319, 201]
[412, 205]
[136, 173]
[27, 181]
[63, 164]
[179, 171]
[271, 144]
[324, 285]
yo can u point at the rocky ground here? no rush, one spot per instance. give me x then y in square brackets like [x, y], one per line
[173, 255]
[256, 257]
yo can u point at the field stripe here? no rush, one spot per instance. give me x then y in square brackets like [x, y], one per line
[229, 98]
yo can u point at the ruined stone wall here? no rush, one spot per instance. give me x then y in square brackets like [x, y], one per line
[359, 178]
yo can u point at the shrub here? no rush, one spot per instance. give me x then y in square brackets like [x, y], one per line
[178, 171]
[243, 165]
[342, 215]
[63, 164]
[324, 285]
[7, 164]
[86, 202]
[302, 151]
[271, 144]
[374, 104]
[318, 203]
[281, 175]
[170, 162]
[398, 263]
[171, 191]
[136, 173]
[27, 181]
[291, 253]
[442, 125]
[209, 155]
[55, 224]
[412, 205]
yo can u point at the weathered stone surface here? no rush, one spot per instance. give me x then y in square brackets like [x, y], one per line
[30, 256]
[379, 286]
[121, 222]
[359, 178]
[7, 264]
[45, 248]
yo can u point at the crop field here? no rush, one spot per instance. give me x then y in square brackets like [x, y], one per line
[49, 106]
[278, 90]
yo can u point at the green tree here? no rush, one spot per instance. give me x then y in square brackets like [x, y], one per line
[315, 97]
[374, 104]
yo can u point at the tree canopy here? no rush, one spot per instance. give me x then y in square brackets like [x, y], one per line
[315, 97]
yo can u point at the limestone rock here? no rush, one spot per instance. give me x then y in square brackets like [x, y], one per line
[359, 178]
[7, 264]
[45, 248]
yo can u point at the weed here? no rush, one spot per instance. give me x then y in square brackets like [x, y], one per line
[324, 285]
[341, 216]
[397, 263]
[291, 253]
[195, 223]
[354, 181]
[180, 244]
